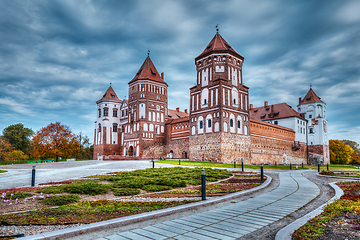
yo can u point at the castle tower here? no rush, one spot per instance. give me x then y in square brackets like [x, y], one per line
[147, 108]
[219, 106]
[314, 110]
[106, 134]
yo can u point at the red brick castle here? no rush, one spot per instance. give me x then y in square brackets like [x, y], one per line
[221, 125]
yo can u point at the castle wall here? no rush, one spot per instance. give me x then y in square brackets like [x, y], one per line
[319, 154]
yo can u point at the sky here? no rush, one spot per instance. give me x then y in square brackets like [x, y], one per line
[57, 58]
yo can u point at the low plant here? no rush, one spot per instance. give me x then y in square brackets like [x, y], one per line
[155, 188]
[126, 191]
[59, 200]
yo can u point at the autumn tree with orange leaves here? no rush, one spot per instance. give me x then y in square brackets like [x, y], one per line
[55, 140]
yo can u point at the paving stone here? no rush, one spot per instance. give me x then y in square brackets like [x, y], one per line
[183, 237]
[199, 236]
[177, 229]
[223, 230]
[114, 237]
[213, 234]
[132, 235]
[148, 234]
[160, 231]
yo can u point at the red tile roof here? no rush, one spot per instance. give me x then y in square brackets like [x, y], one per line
[310, 97]
[174, 114]
[218, 44]
[109, 95]
[148, 71]
[276, 111]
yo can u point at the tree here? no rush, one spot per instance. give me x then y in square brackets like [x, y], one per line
[340, 153]
[355, 156]
[86, 148]
[55, 140]
[5, 149]
[18, 155]
[18, 136]
[354, 145]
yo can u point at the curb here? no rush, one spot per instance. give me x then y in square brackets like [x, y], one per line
[71, 232]
[286, 232]
[346, 178]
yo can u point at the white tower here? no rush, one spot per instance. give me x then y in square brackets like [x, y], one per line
[107, 132]
[314, 110]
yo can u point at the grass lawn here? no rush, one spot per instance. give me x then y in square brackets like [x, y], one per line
[224, 165]
[88, 200]
[2, 171]
[340, 217]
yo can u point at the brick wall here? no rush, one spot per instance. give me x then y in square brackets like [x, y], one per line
[319, 154]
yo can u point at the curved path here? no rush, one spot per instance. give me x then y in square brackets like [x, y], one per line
[235, 220]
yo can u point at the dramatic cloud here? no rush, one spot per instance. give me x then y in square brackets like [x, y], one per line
[57, 58]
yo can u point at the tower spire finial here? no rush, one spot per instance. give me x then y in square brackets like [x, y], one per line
[148, 52]
[110, 84]
[310, 86]
[217, 28]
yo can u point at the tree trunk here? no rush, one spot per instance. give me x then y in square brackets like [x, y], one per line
[57, 158]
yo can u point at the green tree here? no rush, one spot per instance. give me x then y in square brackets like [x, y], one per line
[340, 153]
[55, 140]
[354, 145]
[86, 148]
[18, 136]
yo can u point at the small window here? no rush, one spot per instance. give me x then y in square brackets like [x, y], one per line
[209, 123]
[234, 101]
[205, 101]
[201, 124]
[298, 121]
[122, 113]
[115, 128]
[114, 112]
[126, 113]
[311, 130]
[106, 112]
[142, 95]
[219, 59]
[310, 116]
[239, 124]
[99, 113]
[276, 122]
[157, 97]
[231, 123]
[142, 85]
[99, 127]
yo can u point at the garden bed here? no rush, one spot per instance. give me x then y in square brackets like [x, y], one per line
[351, 174]
[340, 219]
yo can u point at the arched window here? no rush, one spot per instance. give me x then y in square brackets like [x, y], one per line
[142, 95]
[115, 127]
[239, 125]
[231, 123]
[205, 101]
[209, 123]
[201, 125]
[99, 127]
[106, 112]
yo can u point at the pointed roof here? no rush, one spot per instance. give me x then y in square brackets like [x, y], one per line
[148, 71]
[275, 111]
[310, 97]
[109, 96]
[218, 44]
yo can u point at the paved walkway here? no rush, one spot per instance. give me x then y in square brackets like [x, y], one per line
[235, 220]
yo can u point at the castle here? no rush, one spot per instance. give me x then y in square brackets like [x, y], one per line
[220, 126]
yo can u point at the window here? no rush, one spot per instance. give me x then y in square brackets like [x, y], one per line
[310, 116]
[114, 112]
[239, 125]
[201, 125]
[132, 98]
[205, 101]
[142, 95]
[157, 97]
[115, 127]
[276, 122]
[142, 85]
[234, 101]
[99, 127]
[311, 130]
[122, 113]
[209, 123]
[126, 113]
[231, 123]
[219, 59]
[106, 112]
[99, 113]
[122, 128]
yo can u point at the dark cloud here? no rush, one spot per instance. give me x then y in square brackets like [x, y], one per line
[58, 57]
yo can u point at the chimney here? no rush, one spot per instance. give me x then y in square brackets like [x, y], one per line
[299, 100]
[251, 106]
[185, 111]
[162, 75]
[178, 109]
[266, 104]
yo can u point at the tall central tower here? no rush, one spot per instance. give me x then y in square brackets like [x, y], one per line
[219, 106]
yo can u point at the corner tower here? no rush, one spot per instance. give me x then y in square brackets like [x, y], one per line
[219, 106]
[106, 133]
[147, 107]
[314, 110]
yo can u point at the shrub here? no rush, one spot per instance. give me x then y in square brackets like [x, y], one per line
[52, 189]
[89, 188]
[59, 200]
[155, 188]
[18, 195]
[126, 191]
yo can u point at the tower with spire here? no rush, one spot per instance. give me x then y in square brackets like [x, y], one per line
[147, 108]
[314, 110]
[106, 133]
[219, 106]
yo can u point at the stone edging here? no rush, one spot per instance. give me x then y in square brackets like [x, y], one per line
[349, 178]
[286, 232]
[70, 232]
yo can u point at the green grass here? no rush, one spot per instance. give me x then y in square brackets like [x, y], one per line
[336, 167]
[59, 200]
[13, 162]
[91, 187]
[2, 171]
[225, 165]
